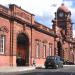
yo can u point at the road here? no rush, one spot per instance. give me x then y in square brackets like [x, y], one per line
[68, 70]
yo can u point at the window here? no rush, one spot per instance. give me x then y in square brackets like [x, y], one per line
[44, 50]
[2, 44]
[37, 48]
[50, 49]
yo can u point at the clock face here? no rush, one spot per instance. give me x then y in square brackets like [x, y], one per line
[61, 14]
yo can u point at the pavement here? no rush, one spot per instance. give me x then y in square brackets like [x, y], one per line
[22, 69]
[16, 69]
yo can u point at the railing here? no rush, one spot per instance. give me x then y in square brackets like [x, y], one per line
[44, 28]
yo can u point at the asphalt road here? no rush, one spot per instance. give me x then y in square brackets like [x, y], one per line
[69, 70]
[48, 73]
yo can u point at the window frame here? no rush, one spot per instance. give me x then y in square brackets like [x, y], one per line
[2, 43]
[37, 49]
[44, 50]
[50, 49]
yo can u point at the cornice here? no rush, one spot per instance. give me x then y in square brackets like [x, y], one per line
[7, 13]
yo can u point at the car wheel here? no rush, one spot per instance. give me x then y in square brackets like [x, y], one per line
[46, 67]
[60, 65]
[56, 66]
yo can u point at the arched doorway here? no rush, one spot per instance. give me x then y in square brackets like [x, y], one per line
[22, 57]
[59, 47]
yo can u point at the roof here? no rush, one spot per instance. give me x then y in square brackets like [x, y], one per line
[64, 8]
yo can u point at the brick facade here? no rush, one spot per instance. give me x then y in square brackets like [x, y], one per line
[28, 39]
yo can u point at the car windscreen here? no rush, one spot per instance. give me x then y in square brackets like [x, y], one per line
[50, 57]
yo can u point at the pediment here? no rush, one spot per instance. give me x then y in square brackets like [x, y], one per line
[4, 29]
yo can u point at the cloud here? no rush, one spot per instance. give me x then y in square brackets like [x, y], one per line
[42, 9]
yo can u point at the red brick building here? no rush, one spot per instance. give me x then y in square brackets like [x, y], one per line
[22, 37]
[62, 25]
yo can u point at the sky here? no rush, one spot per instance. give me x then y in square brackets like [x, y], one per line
[43, 9]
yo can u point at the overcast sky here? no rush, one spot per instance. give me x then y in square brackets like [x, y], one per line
[43, 9]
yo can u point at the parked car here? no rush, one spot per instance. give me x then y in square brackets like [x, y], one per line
[67, 62]
[53, 62]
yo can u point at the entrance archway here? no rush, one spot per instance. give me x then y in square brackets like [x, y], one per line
[22, 57]
[59, 47]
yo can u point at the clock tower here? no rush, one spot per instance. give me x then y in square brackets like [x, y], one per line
[62, 26]
[63, 22]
